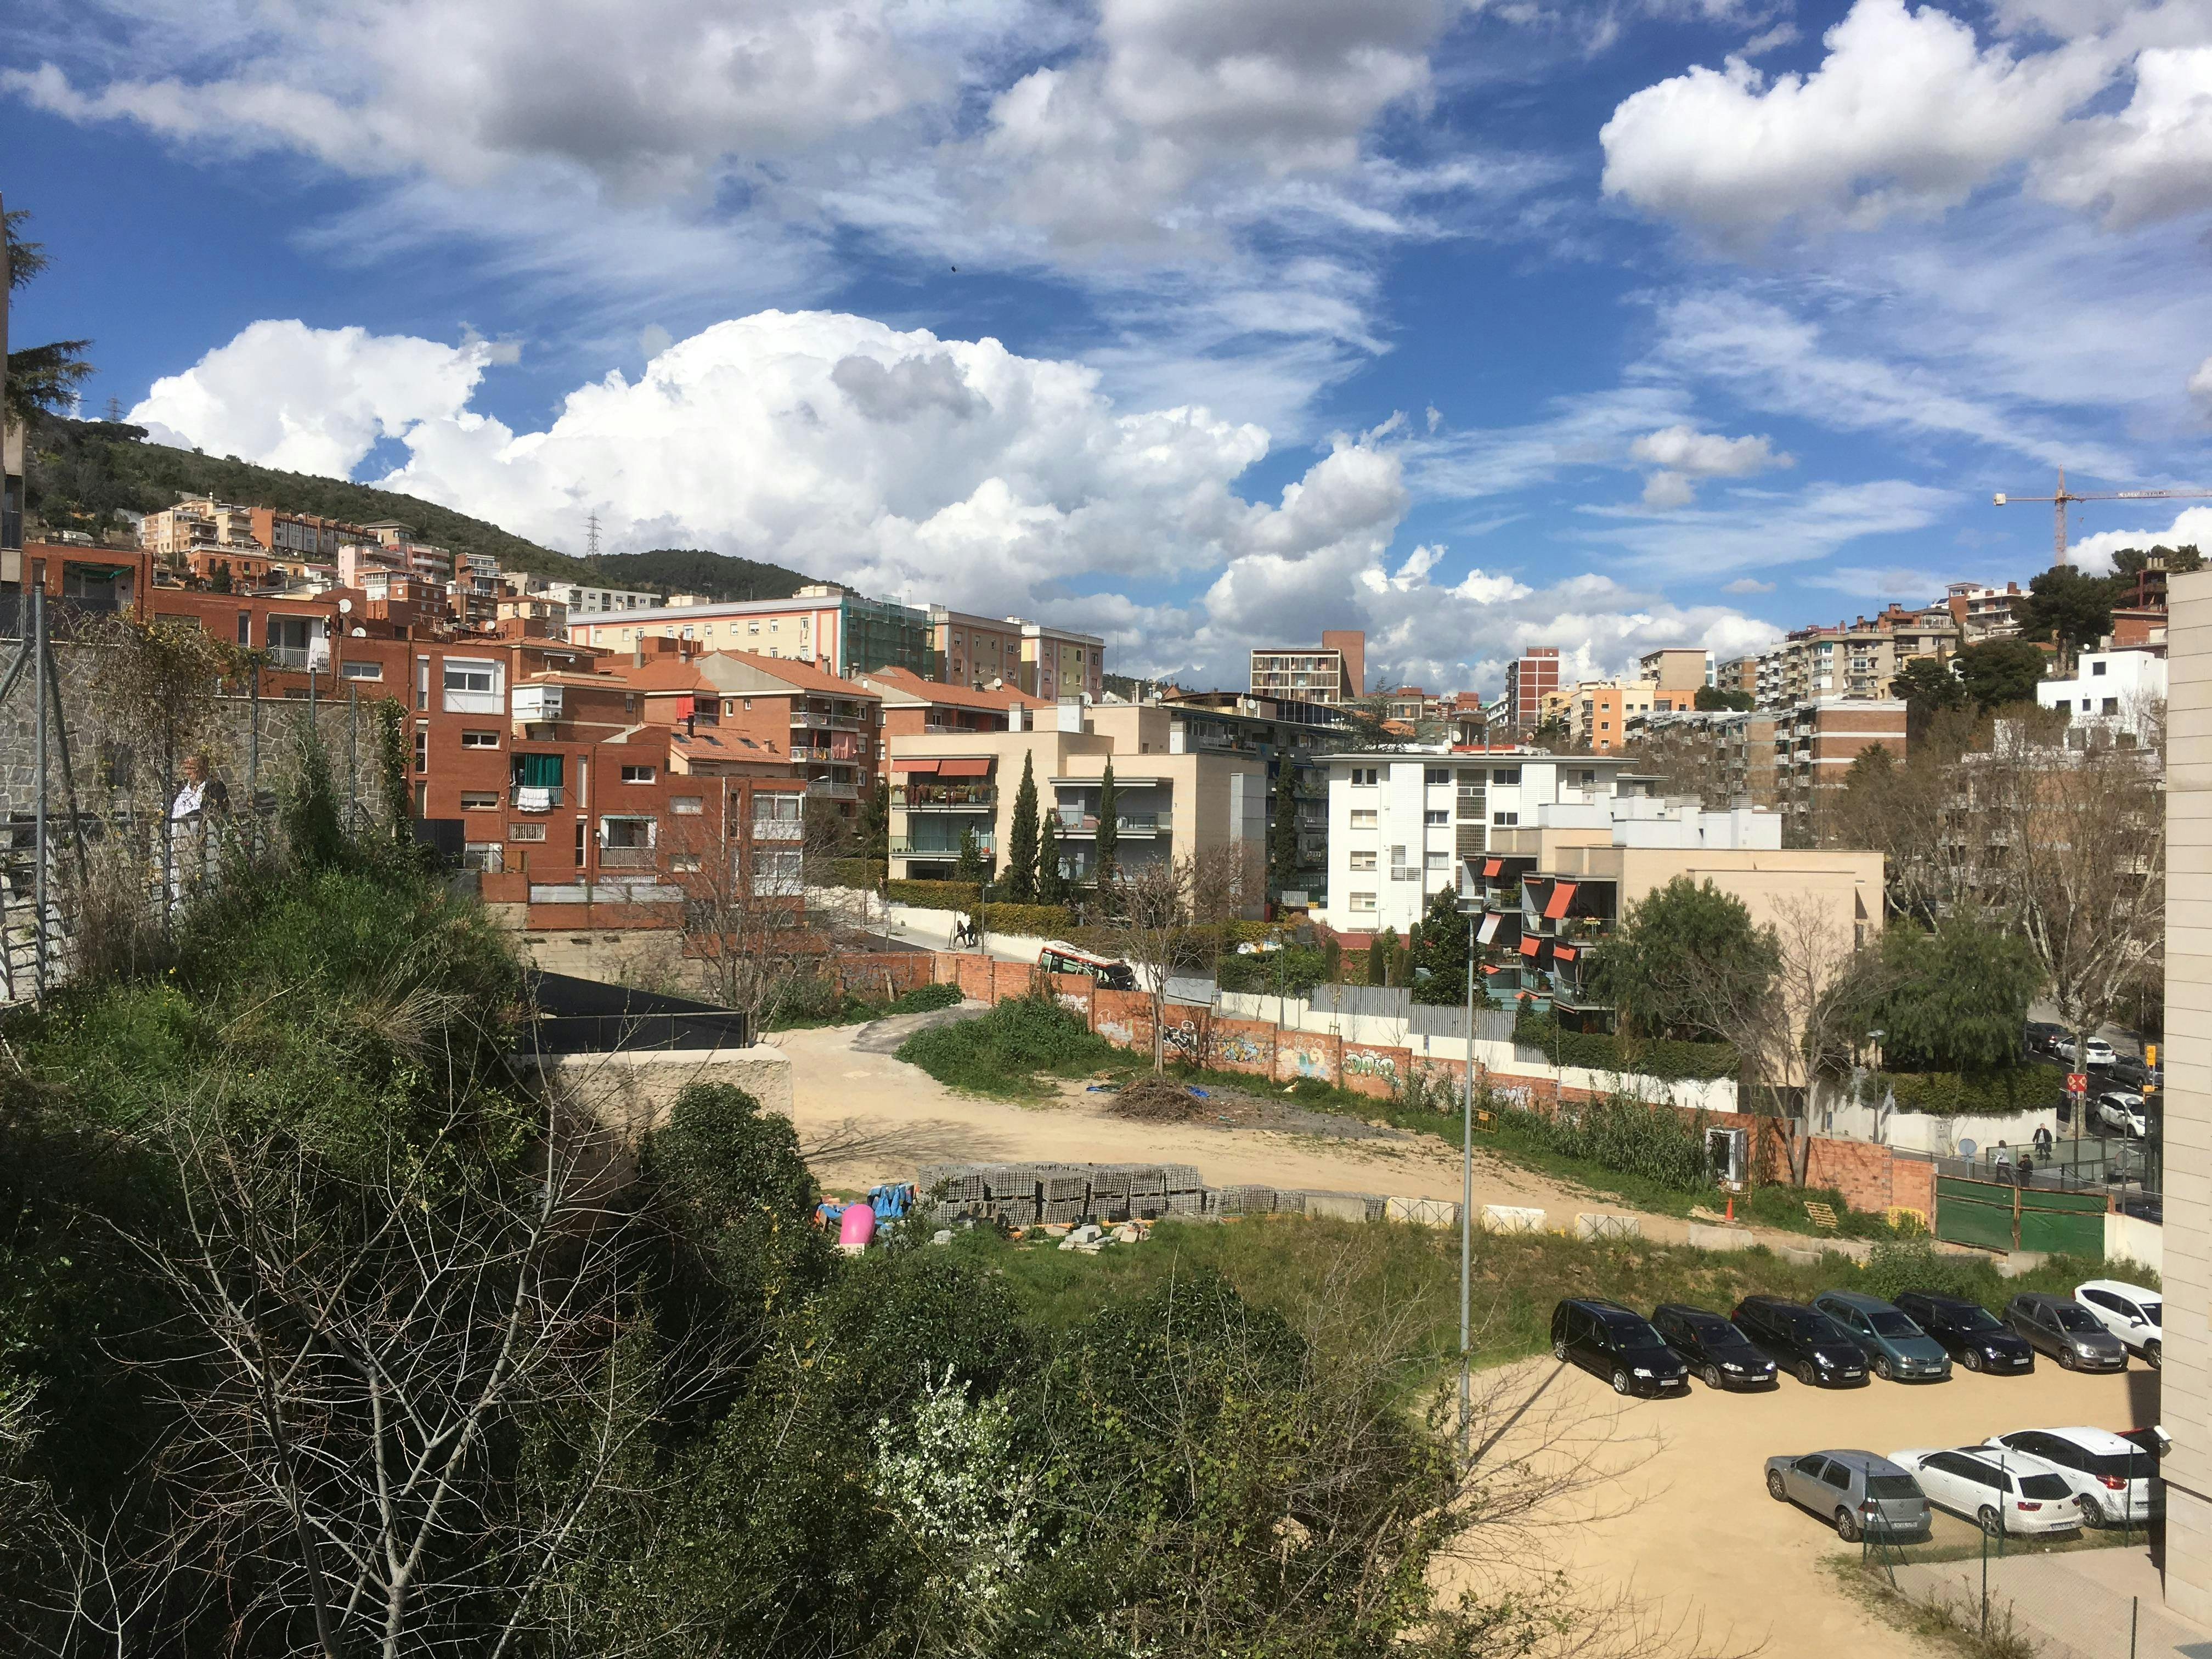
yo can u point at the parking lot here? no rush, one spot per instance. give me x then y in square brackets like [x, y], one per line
[1704, 1542]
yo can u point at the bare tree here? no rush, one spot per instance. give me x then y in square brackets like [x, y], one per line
[1903, 809]
[2064, 833]
[1168, 916]
[363, 1355]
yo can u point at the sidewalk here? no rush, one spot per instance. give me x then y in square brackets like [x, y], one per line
[2079, 1605]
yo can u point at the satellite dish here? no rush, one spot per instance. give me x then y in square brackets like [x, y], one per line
[359, 632]
[345, 607]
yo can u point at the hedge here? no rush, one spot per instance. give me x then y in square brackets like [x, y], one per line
[1046, 921]
[2031, 1088]
[933, 895]
[1596, 1051]
[1294, 970]
[867, 873]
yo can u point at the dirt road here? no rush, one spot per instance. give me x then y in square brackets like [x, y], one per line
[847, 1077]
[1706, 1546]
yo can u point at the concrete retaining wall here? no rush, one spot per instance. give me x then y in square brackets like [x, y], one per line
[631, 1093]
[2136, 1240]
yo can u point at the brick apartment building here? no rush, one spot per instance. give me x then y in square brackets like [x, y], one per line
[1529, 680]
[1336, 672]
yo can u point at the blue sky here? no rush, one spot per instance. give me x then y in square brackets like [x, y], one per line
[1200, 323]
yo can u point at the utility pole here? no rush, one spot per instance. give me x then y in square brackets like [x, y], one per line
[592, 534]
[1465, 1212]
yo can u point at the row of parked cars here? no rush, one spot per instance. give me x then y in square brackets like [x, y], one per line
[2021, 1484]
[1842, 1338]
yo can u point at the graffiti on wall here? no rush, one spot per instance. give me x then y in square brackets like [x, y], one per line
[1073, 1002]
[1117, 1031]
[1310, 1063]
[1239, 1051]
[1360, 1064]
[1517, 1094]
[1184, 1037]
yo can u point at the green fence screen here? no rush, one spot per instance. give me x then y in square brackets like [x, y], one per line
[1997, 1216]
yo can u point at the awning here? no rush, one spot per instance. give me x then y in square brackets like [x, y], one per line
[1490, 967]
[1492, 867]
[1563, 894]
[1563, 952]
[914, 765]
[1488, 930]
[964, 768]
[1529, 944]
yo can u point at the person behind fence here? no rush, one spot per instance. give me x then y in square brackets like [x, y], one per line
[2002, 1157]
[195, 820]
[2042, 1143]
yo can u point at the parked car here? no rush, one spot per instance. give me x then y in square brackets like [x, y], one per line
[2145, 1206]
[1898, 1350]
[2067, 1331]
[2130, 1312]
[2095, 1052]
[1618, 1344]
[1857, 1491]
[2132, 1073]
[2125, 1110]
[2043, 1035]
[1969, 1332]
[1808, 1344]
[1998, 1490]
[2115, 1482]
[1713, 1348]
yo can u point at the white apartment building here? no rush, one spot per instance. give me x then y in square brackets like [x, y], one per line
[2124, 690]
[1400, 822]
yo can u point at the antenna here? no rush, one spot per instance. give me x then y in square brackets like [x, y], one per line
[114, 407]
[592, 535]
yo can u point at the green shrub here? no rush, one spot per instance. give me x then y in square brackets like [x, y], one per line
[924, 998]
[933, 895]
[868, 874]
[2027, 1087]
[1001, 1052]
[1041, 920]
[1293, 970]
[1597, 1051]
[1630, 1136]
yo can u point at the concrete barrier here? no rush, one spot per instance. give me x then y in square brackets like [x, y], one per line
[1511, 1219]
[1721, 1238]
[1595, 1225]
[1337, 1206]
[1424, 1211]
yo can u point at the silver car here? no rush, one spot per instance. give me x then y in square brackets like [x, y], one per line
[1859, 1492]
[2067, 1331]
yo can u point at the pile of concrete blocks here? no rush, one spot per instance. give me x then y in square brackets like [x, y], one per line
[1248, 1199]
[1024, 1195]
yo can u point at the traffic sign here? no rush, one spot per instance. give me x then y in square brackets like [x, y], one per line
[2077, 1083]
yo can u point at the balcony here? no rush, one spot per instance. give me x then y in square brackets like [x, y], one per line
[627, 858]
[537, 703]
[945, 797]
[1134, 824]
[905, 847]
[817, 720]
[825, 790]
[534, 797]
[848, 755]
[778, 829]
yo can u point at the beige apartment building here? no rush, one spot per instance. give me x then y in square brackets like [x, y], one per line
[1858, 659]
[1172, 801]
[2185, 1381]
[1333, 672]
[1677, 674]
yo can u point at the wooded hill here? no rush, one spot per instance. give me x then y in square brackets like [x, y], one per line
[79, 473]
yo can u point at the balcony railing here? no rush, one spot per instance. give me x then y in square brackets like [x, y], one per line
[816, 719]
[825, 791]
[1135, 823]
[904, 847]
[944, 797]
[627, 858]
[778, 829]
[534, 797]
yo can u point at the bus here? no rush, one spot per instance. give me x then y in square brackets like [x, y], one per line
[1059, 957]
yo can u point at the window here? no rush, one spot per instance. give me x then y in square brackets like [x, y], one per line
[479, 739]
[1438, 859]
[1437, 815]
[1363, 903]
[687, 806]
[472, 686]
[772, 624]
[1506, 775]
[363, 670]
[752, 627]
[782, 807]
[482, 855]
[1437, 775]
[422, 749]
[777, 872]
[1363, 818]
[1364, 777]
[2097, 668]
[1364, 858]
[478, 800]
[637, 775]
[469, 677]
[1505, 820]
[526, 832]
[2111, 706]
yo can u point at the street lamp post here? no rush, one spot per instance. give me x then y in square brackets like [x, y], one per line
[1466, 1205]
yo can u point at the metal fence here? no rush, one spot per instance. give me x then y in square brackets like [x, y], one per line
[2084, 1593]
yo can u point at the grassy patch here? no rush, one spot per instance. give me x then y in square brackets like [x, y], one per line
[812, 1013]
[1013, 1052]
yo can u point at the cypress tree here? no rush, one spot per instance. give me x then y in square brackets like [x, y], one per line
[1050, 888]
[1109, 807]
[1283, 832]
[1021, 841]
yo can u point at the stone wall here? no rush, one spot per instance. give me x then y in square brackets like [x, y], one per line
[631, 1093]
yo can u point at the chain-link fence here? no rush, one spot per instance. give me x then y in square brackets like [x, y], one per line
[2077, 1592]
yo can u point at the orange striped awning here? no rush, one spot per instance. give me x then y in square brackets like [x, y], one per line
[898, 765]
[1563, 953]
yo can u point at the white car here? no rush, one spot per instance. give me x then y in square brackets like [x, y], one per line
[2125, 1110]
[2095, 1051]
[1999, 1490]
[2114, 1481]
[2130, 1312]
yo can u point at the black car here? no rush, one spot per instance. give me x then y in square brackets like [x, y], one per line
[1619, 1344]
[1713, 1348]
[2041, 1034]
[1969, 1332]
[1802, 1340]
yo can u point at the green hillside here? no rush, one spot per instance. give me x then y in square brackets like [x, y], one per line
[78, 474]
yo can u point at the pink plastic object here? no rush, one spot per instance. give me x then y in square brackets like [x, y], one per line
[857, 1225]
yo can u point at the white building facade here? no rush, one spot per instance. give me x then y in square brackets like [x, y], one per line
[2121, 690]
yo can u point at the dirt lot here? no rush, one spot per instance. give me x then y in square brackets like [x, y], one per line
[1702, 1540]
[845, 1080]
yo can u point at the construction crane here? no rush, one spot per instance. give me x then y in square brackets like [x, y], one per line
[2058, 503]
